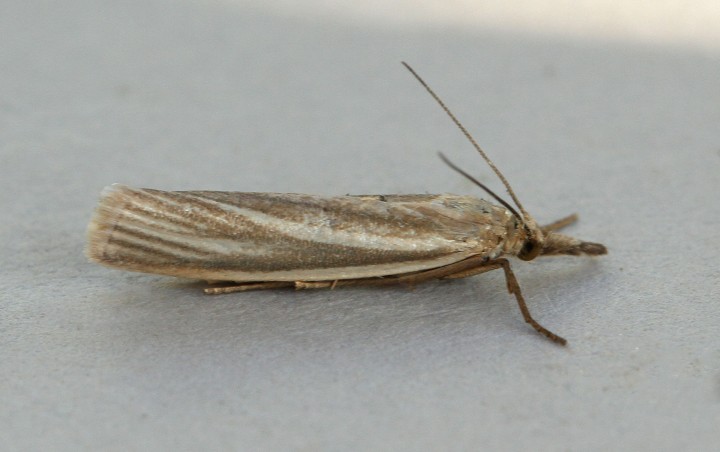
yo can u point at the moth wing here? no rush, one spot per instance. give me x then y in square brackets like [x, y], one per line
[235, 236]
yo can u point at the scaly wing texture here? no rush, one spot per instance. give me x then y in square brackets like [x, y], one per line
[283, 237]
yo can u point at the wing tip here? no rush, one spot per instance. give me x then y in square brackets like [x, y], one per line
[113, 198]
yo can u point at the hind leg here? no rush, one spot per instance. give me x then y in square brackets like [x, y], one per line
[241, 287]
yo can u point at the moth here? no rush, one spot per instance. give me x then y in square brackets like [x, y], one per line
[252, 241]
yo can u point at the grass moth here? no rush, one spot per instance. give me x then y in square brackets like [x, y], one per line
[272, 240]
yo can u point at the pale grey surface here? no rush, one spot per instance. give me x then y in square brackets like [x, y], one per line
[182, 95]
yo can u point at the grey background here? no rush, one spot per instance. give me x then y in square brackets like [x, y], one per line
[217, 95]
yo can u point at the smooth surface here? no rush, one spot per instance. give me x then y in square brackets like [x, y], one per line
[225, 96]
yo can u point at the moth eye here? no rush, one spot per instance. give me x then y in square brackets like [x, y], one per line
[530, 250]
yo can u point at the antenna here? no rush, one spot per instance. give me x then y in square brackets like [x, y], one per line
[475, 145]
[479, 184]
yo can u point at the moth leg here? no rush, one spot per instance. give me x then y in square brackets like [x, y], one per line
[468, 267]
[241, 287]
[561, 223]
[514, 288]
[412, 278]
[315, 284]
[472, 271]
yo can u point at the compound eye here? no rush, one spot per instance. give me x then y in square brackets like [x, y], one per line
[530, 250]
[528, 247]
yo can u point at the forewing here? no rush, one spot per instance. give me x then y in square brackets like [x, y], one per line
[271, 236]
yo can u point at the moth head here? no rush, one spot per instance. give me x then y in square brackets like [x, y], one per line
[534, 239]
[537, 241]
